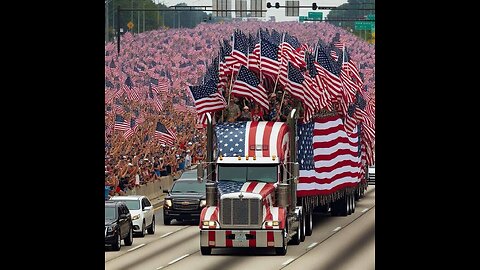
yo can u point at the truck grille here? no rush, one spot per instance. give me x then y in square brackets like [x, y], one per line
[185, 204]
[236, 213]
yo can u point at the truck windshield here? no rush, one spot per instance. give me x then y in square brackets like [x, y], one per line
[261, 173]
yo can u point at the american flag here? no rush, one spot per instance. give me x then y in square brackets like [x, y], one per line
[164, 135]
[130, 90]
[269, 62]
[331, 79]
[207, 98]
[329, 158]
[257, 138]
[132, 130]
[290, 51]
[240, 48]
[248, 85]
[352, 68]
[296, 86]
[253, 53]
[120, 123]
[337, 43]
[315, 86]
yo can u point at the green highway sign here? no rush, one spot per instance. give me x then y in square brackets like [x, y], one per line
[361, 25]
[315, 15]
[302, 18]
[371, 17]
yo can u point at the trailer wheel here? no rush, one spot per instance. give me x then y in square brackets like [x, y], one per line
[308, 223]
[353, 204]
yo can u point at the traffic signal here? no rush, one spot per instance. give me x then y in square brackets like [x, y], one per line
[269, 5]
[277, 5]
[314, 6]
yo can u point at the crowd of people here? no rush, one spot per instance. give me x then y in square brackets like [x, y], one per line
[178, 58]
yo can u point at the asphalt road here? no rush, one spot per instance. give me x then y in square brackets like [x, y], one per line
[336, 243]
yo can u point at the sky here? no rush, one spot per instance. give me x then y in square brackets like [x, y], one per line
[278, 13]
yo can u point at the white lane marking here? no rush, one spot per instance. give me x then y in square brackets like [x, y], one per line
[312, 245]
[139, 246]
[158, 268]
[288, 261]
[365, 210]
[178, 259]
[167, 234]
[336, 229]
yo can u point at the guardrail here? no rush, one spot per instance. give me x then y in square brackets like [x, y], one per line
[153, 190]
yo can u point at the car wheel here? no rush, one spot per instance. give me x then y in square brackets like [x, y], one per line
[151, 229]
[142, 232]
[129, 239]
[116, 246]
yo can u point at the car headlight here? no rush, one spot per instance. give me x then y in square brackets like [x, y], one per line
[272, 223]
[168, 202]
[208, 223]
[203, 203]
[136, 217]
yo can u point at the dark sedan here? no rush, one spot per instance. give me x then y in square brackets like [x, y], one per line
[185, 200]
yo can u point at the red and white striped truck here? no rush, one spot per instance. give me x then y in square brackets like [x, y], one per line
[265, 178]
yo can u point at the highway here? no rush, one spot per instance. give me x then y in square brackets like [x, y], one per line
[336, 243]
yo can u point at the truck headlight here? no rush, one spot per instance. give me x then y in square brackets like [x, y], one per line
[136, 217]
[168, 203]
[271, 223]
[203, 203]
[208, 223]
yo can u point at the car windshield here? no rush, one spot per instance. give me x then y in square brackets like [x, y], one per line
[110, 212]
[131, 204]
[262, 173]
[189, 187]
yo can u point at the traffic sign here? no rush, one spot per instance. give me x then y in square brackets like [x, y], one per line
[130, 25]
[362, 25]
[371, 17]
[302, 18]
[315, 15]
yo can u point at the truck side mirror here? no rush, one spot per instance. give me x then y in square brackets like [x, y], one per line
[200, 171]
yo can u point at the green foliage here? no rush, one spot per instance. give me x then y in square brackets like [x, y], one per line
[341, 17]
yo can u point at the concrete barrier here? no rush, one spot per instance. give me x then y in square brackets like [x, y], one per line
[153, 190]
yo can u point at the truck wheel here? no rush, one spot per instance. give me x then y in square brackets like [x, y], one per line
[353, 204]
[166, 221]
[129, 239]
[302, 226]
[296, 238]
[349, 204]
[206, 250]
[282, 250]
[308, 223]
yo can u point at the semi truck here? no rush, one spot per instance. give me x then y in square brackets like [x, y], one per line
[266, 178]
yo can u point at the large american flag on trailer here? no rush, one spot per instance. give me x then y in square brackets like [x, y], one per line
[256, 138]
[329, 159]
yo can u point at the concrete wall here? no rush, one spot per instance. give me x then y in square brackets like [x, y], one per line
[153, 189]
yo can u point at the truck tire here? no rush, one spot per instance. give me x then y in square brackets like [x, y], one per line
[282, 250]
[206, 250]
[302, 226]
[353, 204]
[308, 223]
[296, 237]
[349, 204]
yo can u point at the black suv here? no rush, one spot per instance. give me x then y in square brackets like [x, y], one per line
[185, 200]
[118, 224]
